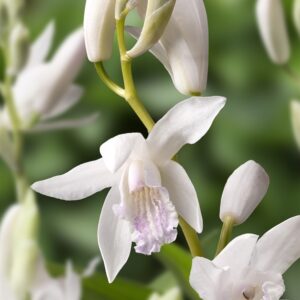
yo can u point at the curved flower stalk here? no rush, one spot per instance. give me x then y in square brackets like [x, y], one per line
[44, 90]
[243, 191]
[296, 15]
[273, 30]
[36, 282]
[149, 190]
[183, 47]
[249, 268]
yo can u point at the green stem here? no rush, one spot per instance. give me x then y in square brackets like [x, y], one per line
[16, 130]
[133, 100]
[191, 238]
[131, 95]
[107, 81]
[226, 233]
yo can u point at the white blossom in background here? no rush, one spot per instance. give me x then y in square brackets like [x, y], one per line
[244, 190]
[99, 28]
[44, 90]
[67, 287]
[295, 118]
[249, 268]
[273, 30]
[172, 294]
[149, 190]
[36, 280]
[183, 47]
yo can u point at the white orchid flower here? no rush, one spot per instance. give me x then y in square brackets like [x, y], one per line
[183, 47]
[249, 268]
[273, 30]
[148, 191]
[244, 190]
[67, 287]
[44, 90]
[38, 283]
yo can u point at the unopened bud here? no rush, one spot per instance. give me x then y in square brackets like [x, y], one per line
[99, 27]
[244, 190]
[157, 16]
[19, 47]
[25, 246]
[273, 30]
[295, 118]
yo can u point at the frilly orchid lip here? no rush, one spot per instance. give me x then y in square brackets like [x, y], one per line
[149, 190]
[54, 92]
[251, 267]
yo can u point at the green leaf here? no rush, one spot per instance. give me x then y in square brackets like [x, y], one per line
[179, 261]
[97, 287]
[164, 282]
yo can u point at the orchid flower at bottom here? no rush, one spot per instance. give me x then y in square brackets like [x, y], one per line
[38, 284]
[249, 268]
[149, 190]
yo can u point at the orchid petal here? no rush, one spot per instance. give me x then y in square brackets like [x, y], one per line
[114, 236]
[67, 101]
[157, 50]
[65, 124]
[279, 248]
[238, 253]
[91, 267]
[6, 236]
[99, 27]
[244, 190]
[186, 123]
[205, 278]
[273, 29]
[72, 283]
[41, 47]
[80, 182]
[186, 44]
[182, 194]
[117, 149]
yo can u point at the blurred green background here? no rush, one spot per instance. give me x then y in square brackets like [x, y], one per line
[255, 124]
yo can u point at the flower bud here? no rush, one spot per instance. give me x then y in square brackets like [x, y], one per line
[157, 16]
[296, 15]
[295, 118]
[25, 246]
[19, 47]
[244, 190]
[273, 30]
[99, 27]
